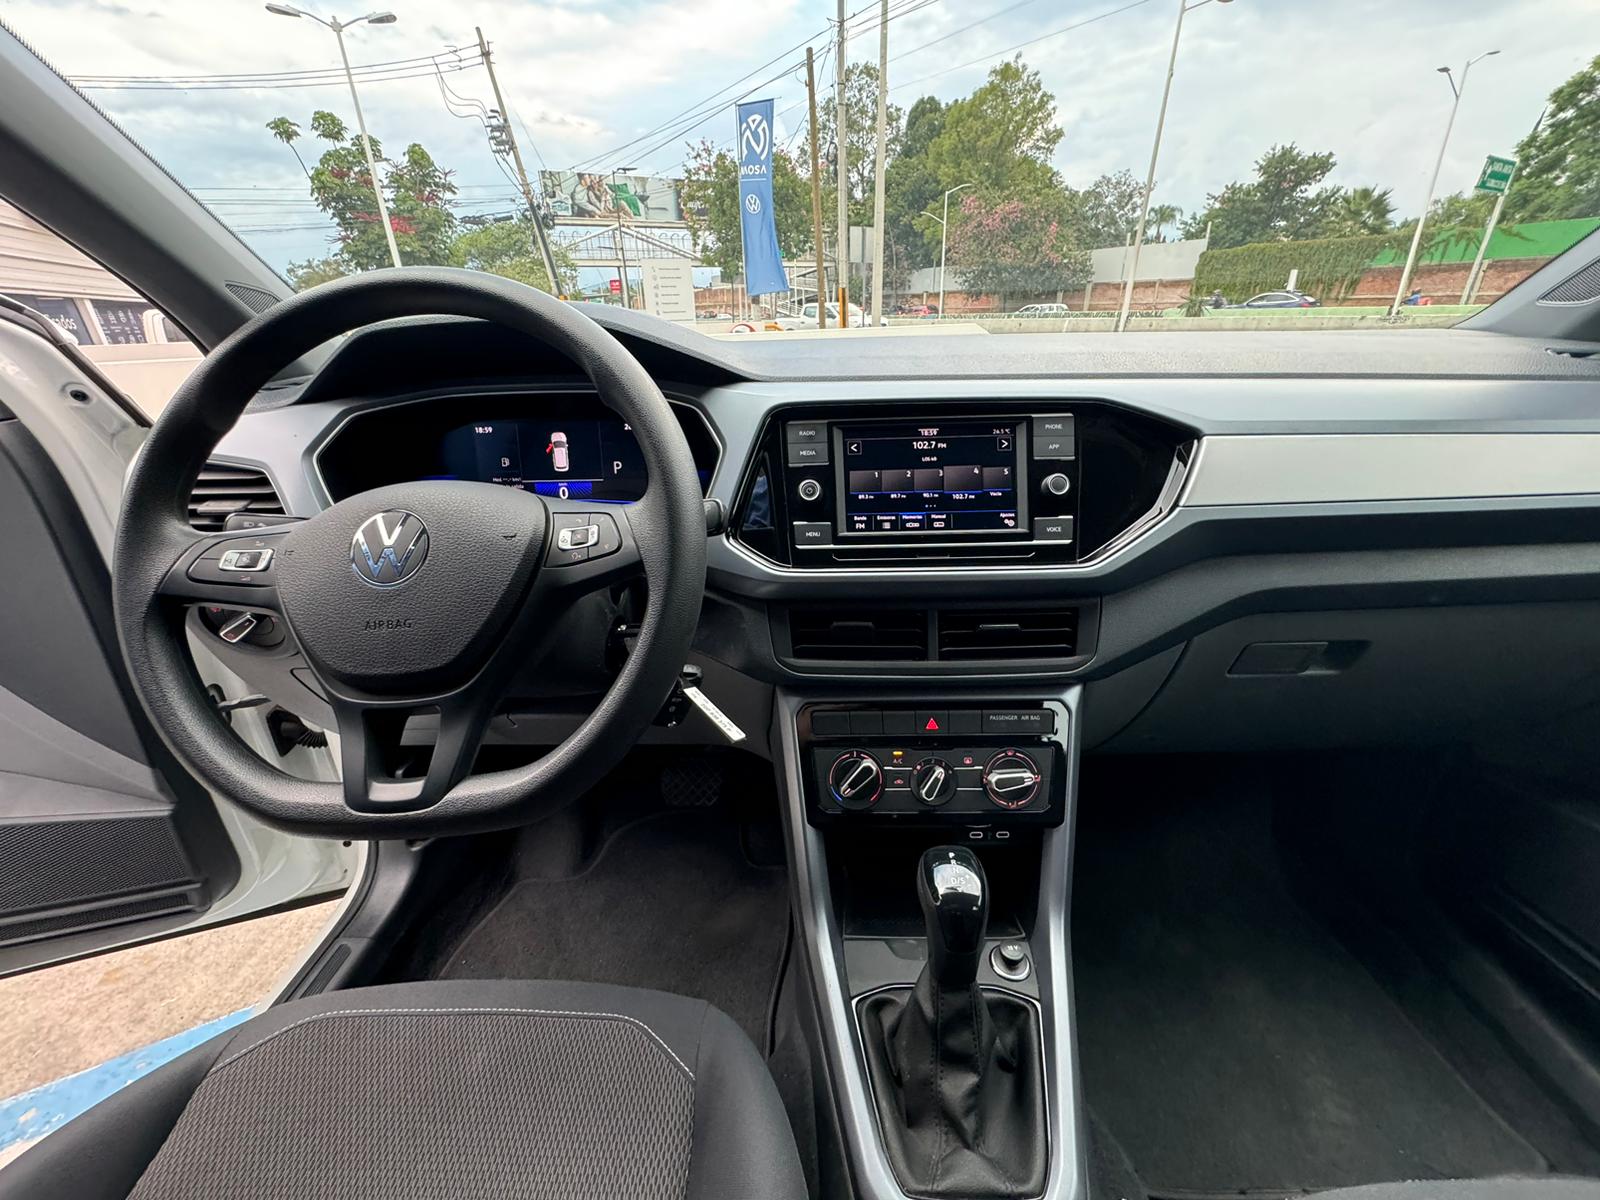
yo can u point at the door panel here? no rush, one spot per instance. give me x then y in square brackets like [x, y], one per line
[99, 827]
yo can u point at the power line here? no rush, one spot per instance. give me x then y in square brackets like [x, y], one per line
[1020, 45]
[417, 69]
[295, 74]
[956, 32]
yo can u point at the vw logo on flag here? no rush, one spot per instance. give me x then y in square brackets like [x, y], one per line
[755, 136]
[752, 204]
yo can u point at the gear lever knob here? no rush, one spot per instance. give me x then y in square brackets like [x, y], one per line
[954, 894]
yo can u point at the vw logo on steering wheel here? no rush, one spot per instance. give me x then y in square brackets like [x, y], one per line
[389, 548]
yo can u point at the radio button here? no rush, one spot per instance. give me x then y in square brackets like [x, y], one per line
[1052, 529]
[806, 431]
[812, 533]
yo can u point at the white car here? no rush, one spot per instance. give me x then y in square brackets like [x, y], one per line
[1042, 310]
[808, 318]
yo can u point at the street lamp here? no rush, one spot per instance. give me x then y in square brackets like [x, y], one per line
[622, 247]
[1416, 237]
[944, 232]
[338, 27]
[1155, 152]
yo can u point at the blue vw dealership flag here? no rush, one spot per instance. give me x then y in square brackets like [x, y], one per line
[763, 261]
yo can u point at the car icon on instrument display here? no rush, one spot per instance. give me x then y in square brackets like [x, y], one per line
[559, 458]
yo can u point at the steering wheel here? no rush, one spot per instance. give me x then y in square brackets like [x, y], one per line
[412, 599]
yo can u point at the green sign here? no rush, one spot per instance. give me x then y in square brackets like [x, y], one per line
[1496, 176]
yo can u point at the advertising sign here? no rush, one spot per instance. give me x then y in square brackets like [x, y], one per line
[763, 261]
[640, 197]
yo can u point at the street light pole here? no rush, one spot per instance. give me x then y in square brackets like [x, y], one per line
[622, 247]
[1438, 165]
[944, 233]
[1470, 291]
[1155, 153]
[338, 27]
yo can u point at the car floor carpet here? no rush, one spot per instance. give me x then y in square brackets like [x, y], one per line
[1231, 1044]
[670, 902]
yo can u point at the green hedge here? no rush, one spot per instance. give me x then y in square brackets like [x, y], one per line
[1329, 268]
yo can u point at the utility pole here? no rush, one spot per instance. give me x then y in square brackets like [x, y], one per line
[880, 154]
[1433, 182]
[842, 170]
[816, 194]
[622, 247]
[522, 175]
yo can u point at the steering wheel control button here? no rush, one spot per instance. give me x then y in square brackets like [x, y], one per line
[1052, 529]
[1010, 961]
[1011, 779]
[933, 782]
[1011, 721]
[245, 560]
[809, 491]
[812, 533]
[610, 536]
[856, 779]
[1056, 484]
[577, 537]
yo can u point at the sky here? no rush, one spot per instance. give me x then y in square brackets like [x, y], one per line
[589, 80]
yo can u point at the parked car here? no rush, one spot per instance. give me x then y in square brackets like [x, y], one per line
[1042, 310]
[1287, 298]
[808, 318]
[920, 310]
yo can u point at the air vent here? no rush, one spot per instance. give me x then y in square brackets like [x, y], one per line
[1578, 288]
[859, 635]
[225, 488]
[971, 634]
[1568, 352]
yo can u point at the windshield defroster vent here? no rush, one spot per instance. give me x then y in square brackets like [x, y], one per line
[225, 488]
[974, 634]
[859, 634]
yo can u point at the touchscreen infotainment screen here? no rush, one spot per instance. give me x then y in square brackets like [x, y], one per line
[915, 477]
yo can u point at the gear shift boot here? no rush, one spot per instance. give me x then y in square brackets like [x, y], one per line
[956, 1070]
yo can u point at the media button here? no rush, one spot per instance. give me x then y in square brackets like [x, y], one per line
[808, 454]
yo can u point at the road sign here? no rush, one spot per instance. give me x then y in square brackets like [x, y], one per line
[1496, 175]
[616, 286]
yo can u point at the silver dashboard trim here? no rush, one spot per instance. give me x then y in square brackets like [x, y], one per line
[1333, 468]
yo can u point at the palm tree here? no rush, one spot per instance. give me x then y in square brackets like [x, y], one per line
[1361, 210]
[1162, 215]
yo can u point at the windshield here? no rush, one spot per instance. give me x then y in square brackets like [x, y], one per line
[1038, 160]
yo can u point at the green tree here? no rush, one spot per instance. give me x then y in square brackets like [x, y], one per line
[287, 132]
[1012, 248]
[1107, 211]
[1558, 175]
[1359, 211]
[508, 248]
[861, 139]
[308, 274]
[1162, 215]
[1282, 202]
[1001, 138]
[416, 189]
[910, 187]
[710, 197]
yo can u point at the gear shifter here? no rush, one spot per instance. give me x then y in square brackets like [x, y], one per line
[957, 1071]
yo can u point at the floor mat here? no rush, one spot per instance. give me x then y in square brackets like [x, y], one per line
[1229, 1042]
[670, 903]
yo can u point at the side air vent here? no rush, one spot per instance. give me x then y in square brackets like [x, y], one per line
[1569, 352]
[859, 635]
[225, 488]
[1579, 288]
[257, 300]
[973, 634]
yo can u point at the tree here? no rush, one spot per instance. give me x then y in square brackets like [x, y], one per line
[710, 197]
[308, 274]
[287, 132]
[1108, 209]
[1558, 175]
[416, 188]
[1001, 138]
[1281, 203]
[1162, 215]
[861, 138]
[910, 186]
[1359, 211]
[1012, 247]
[507, 248]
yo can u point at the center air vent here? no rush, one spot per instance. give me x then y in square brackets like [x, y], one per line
[973, 634]
[859, 635]
[225, 488]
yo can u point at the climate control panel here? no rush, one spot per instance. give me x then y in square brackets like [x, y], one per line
[977, 767]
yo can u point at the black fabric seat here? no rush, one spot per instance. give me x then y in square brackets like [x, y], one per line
[544, 1091]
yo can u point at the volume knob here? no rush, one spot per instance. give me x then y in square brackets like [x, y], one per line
[1056, 484]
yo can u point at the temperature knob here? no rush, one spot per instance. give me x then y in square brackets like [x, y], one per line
[1011, 779]
[933, 782]
[855, 779]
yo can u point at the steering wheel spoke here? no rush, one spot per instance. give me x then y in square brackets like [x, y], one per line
[591, 547]
[405, 755]
[230, 569]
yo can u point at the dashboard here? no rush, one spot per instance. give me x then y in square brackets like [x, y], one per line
[1251, 540]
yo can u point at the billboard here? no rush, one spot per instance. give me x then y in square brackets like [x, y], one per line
[640, 197]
